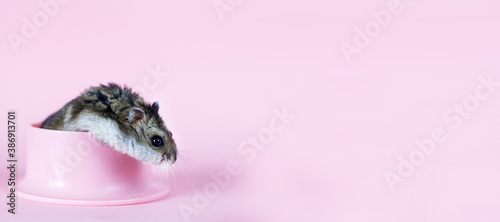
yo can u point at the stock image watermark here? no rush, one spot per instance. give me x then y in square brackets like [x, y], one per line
[222, 7]
[31, 26]
[73, 159]
[454, 117]
[249, 150]
[364, 35]
[11, 160]
[152, 80]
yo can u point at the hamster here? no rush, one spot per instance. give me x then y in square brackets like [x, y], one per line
[119, 118]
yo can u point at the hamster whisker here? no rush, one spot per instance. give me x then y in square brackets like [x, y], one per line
[190, 157]
[160, 172]
[173, 174]
[186, 175]
[188, 153]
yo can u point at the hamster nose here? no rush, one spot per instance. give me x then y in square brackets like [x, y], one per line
[171, 157]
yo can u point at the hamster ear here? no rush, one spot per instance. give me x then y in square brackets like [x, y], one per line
[135, 114]
[156, 106]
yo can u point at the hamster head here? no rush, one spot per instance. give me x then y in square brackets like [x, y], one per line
[149, 140]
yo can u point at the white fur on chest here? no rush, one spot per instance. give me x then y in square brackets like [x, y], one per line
[106, 131]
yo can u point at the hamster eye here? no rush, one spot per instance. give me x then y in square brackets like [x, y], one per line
[156, 141]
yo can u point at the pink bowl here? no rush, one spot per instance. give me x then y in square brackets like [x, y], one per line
[73, 168]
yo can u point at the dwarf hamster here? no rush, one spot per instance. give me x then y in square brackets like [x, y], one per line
[118, 118]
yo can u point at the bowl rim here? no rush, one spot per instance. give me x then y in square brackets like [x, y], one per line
[37, 127]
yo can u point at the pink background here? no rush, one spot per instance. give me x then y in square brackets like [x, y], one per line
[352, 119]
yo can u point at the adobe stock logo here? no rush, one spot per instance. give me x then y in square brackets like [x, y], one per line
[151, 81]
[223, 6]
[363, 36]
[249, 148]
[40, 19]
[454, 117]
[72, 160]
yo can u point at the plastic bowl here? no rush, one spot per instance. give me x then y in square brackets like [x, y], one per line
[73, 168]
